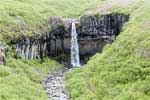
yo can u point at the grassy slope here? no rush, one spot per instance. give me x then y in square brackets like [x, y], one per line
[122, 71]
[27, 17]
[19, 79]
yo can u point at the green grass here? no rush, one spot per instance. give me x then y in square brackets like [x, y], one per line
[23, 18]
[122, 70]
[20, 79]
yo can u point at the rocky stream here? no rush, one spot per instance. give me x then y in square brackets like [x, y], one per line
[94, 32]
[54, 85]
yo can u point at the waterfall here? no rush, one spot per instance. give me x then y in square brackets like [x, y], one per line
[75, 62]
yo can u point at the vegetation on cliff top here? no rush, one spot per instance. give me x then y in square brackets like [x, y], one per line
[122, 71]
[27, 17]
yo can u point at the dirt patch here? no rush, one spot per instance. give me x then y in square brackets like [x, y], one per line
[108, 4]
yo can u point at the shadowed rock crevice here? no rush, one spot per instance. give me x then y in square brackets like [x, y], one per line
[94, 32]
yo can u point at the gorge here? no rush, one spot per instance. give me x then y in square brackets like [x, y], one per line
[74, 50]
[94, 32]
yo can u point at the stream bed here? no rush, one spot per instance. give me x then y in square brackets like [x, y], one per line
[54, 85]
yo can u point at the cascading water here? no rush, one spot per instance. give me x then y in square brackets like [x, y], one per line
[75, 62]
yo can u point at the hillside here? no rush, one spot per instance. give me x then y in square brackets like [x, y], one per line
[25, 18]
[36, 40]
[121, 71]
[21, 79]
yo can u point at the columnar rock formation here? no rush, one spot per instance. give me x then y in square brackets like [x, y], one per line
[2, 54]
[94, 32]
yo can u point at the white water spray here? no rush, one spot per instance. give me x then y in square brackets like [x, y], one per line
[75, 62]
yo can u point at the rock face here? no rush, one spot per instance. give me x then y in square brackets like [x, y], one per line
[94, 32]
[97, 31]
[2, 54]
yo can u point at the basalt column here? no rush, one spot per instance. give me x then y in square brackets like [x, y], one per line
[98, 30]
[94, 32]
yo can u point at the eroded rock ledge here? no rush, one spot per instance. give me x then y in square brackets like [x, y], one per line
[94, 32]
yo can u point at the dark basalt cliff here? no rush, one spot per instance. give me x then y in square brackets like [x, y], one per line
[94, 32]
